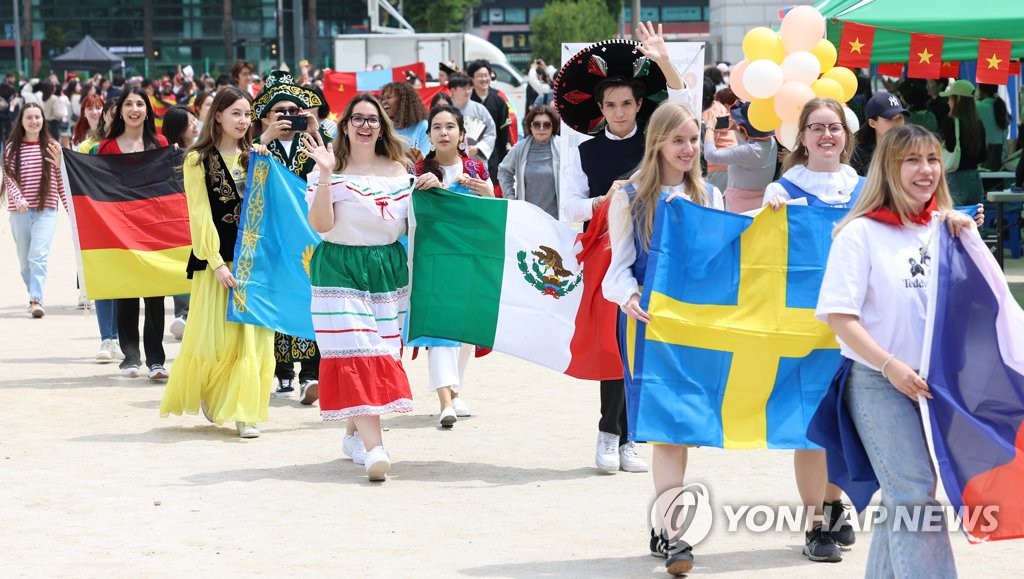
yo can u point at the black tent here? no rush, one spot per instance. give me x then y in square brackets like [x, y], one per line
[87, 55]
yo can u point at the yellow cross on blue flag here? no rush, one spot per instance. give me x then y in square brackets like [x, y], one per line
[733, 356]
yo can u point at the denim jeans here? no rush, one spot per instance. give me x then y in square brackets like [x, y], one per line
[106, 317]
[889, 425]
[33, 235]
[181, 305]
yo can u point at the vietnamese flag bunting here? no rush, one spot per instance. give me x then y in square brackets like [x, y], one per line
[993, 61]
[1014, 67]
[855, 45]
[925, 60]
[950, 69]
[893, 69]
[130, 222]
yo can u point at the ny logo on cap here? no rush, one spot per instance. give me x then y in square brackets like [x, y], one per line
[893, 101]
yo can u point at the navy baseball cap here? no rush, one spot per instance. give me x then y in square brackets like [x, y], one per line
[885, 105]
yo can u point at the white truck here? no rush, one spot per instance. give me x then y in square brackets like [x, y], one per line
[357, 52]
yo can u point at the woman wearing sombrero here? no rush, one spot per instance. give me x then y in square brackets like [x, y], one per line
[606, 90]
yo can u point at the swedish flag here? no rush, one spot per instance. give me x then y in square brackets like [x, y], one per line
[733, 356]
[275, 243]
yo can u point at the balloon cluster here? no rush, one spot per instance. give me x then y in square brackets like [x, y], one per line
[784, 70]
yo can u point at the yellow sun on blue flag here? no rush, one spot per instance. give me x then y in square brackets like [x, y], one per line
[733, 356]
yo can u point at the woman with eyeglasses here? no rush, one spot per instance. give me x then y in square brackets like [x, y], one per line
[817, 173]
[359, 197]
[534, 162]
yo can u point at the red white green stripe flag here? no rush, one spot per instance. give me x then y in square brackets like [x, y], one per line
[503, 274]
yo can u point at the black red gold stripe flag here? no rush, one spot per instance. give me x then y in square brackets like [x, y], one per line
[131, 223]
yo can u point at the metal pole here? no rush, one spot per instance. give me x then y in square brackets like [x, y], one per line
[280, 32]
[17, 38]
[297, 25]
[636, 18]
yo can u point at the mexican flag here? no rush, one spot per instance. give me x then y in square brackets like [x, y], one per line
[503, 274]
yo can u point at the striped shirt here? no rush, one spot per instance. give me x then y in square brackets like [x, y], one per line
[31, 163]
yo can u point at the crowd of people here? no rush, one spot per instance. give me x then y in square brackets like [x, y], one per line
[890, 175]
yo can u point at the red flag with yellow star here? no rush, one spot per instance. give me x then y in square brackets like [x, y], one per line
[893, 69]
[993, 61]
[950, 69]
[925, 59]
[855, 45]
[339, 88]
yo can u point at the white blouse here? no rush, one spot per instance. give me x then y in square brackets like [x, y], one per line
[368, 209]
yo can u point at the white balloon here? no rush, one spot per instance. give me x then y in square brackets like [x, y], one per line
[801, 66]
[851, 119]
[762, 78]
[786, 135]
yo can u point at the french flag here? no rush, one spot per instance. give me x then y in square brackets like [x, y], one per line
[974, 365]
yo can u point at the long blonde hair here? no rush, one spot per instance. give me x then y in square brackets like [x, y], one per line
[388, 145]
[647, 181]
[798, 156]
[883, 188]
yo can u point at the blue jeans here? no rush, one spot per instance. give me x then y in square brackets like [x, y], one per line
[106, 317]
[889, 425]
[33, 235]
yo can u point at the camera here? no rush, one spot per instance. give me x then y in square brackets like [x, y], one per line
[298, 122]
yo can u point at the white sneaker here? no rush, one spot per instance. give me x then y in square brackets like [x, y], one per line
[83, 304]
[206, 410]
[116, 350]
[106, 353]
[461, 408]
[378, 463]
[607, 455]
[629, 459]
[448, 417]
[177, 328]
[353, 447]
[247, 430]
[309, 392]
[158, 372]
[131, 371]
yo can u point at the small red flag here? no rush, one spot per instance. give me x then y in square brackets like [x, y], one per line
[418, 68]
[925, 59]
[855, 46]
[339, 88]
[993, 61]
[893, 69]
[1014, 67]
[950, 69]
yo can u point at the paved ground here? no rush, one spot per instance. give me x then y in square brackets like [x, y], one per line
[94, 483]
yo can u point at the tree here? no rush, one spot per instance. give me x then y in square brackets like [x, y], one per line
[570, 21]
[437, 15]
[53, 41]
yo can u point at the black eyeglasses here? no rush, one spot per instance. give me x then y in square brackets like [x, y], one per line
[818, 129]
[359, 121]
[541, 124]
[288, 111]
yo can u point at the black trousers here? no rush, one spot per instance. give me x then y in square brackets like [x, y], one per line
[613, 409]
[152, 331]
[308, 369]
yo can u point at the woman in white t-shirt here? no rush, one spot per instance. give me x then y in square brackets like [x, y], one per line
[672, 147]
[874, 297]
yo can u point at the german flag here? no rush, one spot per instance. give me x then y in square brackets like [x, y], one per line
[131, 222]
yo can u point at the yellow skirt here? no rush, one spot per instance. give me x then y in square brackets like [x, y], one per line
[227, 365]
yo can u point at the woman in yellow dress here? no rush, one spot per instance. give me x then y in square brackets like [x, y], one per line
[224, 368]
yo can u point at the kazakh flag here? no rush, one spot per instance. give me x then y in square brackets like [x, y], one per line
[733, 356]
[275, 243]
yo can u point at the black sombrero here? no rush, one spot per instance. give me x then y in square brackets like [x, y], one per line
[576, 81]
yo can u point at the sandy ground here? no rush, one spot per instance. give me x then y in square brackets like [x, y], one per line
[95, 483]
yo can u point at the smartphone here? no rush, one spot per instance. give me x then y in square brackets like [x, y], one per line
[721, 123]
[298, 122]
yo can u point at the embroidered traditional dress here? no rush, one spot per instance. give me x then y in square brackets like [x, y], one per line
[228, 366]
[360, 279]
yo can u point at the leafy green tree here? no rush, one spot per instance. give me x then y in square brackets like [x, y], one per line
[570, 21]
[437, 15]
[53, 41]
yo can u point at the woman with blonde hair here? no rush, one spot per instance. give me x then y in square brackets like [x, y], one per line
[669, 165]
[359, 197]
[869, 300]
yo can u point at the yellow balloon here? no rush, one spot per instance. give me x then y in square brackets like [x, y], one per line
[762, 115]
[828, 88]
[846, 79]
[826, 54]
[763, 42]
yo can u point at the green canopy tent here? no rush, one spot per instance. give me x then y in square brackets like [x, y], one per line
[960, 22]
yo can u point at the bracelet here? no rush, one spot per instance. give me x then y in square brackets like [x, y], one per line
[886, 363]
[319, 184]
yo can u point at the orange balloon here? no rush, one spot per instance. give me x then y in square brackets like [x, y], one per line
[790, 101]
[736, 81]
[802, 28]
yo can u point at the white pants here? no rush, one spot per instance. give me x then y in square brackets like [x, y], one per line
[447, 366]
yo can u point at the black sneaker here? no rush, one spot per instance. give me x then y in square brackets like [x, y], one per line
[659, 545]
[839, 523]
[679, 560]
[284, 389]
[821, 547]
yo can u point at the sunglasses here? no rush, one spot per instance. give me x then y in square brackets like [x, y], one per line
[541, 124]
[290, 111]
